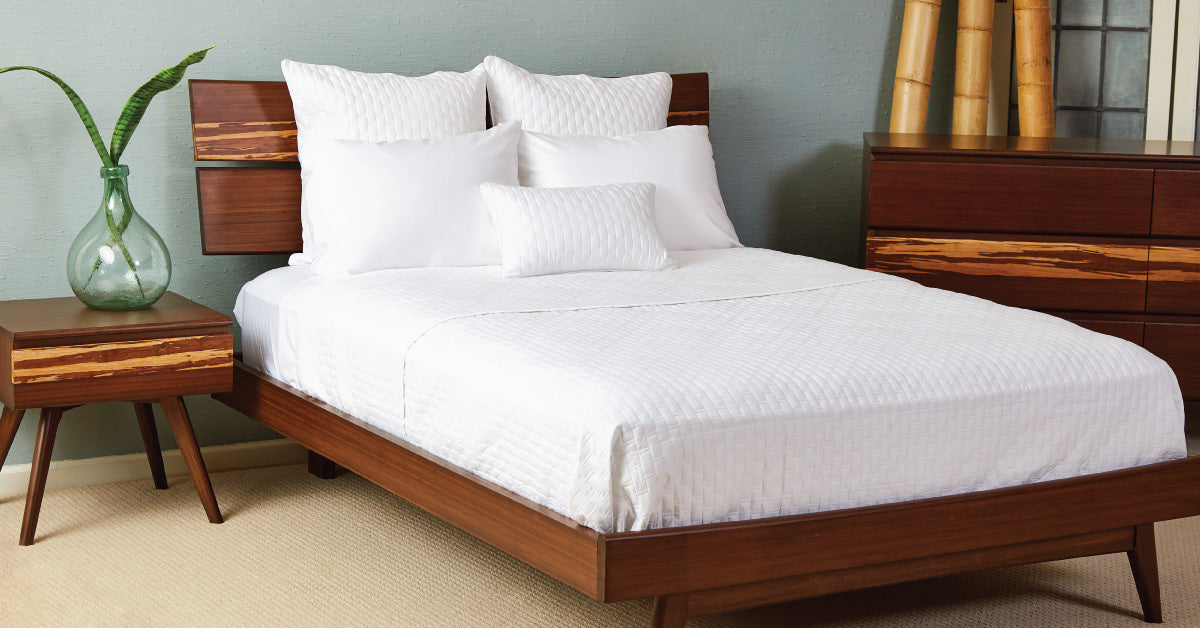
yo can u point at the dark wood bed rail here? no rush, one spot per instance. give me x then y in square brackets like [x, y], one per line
[257, 210]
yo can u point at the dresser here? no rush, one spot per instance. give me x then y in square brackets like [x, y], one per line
[1105, 233]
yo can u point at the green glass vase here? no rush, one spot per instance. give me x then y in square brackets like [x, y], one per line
[118, 261]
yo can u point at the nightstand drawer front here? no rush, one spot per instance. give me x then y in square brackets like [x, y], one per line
[137, 357]
[998, 198]
[1040, 275]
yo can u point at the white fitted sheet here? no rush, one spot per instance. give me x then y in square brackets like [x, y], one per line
[747, 383]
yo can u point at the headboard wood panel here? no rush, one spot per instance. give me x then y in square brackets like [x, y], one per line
[256, 210]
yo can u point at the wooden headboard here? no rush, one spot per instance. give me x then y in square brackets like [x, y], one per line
[255, 210]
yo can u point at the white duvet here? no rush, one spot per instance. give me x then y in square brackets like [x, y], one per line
[746, 383]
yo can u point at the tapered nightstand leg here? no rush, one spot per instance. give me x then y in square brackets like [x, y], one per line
[10, 420]
[47, 429]
[181, 425]
[145, 416]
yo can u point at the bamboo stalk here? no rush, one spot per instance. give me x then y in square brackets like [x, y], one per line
[914, 66]
[1035, 75]
[973, 64]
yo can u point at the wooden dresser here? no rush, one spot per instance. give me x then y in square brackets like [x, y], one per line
[1105, 233]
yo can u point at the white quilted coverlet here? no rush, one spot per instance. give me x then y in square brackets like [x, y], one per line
[747, 383]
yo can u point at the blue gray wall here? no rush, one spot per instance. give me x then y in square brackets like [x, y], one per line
[794, 85]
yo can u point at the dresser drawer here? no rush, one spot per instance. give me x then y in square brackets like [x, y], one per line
[1177, 203]
[997, 198]
[1179, 345]
[1037, 275]
[1174, 286]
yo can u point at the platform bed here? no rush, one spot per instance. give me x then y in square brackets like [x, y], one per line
[690, 571]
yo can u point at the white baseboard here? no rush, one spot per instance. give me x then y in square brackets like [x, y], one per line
[130, 467]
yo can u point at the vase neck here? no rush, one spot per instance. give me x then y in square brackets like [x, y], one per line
[120, 171]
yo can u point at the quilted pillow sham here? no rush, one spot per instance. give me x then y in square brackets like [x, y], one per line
[334, 103]
[407, 203]
[688, 209]
[577, 104]
[544, 231]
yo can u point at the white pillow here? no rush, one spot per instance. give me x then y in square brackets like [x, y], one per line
[380, 205]
[578, 104]
[688, 210]
[544, 231]
[334, 103]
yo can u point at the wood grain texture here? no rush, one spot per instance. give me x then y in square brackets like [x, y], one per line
[131, 357]
[1179, 345]
[253, 120]
[185, 437]
[65, 320]
[42, 451]
[1143, 562]
[249, 210]
[1045, 275]
[1174, 275]
[697, 558]
[1177, 203]
[828, 583]
[532, 533]
[1001, 198]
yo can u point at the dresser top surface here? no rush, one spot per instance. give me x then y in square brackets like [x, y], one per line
[1060, 147]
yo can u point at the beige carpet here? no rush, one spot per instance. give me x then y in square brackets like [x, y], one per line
[298, 551]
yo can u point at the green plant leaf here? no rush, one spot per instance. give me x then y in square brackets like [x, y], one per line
[136, 106]
[84, 115]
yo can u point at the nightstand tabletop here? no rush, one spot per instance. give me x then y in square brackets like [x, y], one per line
[66, 318]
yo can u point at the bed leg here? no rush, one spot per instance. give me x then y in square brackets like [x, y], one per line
[321, 466]
[1143, 560]
[670, 611]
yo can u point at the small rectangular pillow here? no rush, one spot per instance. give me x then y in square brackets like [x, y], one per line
[381, 205]
[577, 104]
[335, 103]
[544, 231]
[689, 211]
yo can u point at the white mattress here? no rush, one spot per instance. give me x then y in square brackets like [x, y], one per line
[747, 383]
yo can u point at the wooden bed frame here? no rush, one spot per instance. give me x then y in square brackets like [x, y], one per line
[689, 571]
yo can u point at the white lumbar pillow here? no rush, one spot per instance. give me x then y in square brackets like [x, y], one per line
[577, 104]
[335, 103]
[544, 231]
[689, 211]
[408, 203]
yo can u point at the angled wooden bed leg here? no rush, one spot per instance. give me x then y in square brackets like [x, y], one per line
[321, 466]
[1143, 560]
[670, 611]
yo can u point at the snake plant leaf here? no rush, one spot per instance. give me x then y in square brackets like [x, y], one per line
[137, 104]
[80, 108]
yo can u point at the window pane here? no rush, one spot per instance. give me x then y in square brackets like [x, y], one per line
[1123, 124]
[1135, 13]
[1069, 123]
[1081, 12]
[1079, 68]
[1126, 69]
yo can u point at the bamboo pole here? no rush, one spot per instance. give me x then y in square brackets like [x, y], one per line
[914, 66]
[1035, 75]
[973, 64]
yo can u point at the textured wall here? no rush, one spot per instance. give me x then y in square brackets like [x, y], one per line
[794, 85]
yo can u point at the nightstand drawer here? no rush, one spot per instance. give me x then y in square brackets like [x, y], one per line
[56, 352]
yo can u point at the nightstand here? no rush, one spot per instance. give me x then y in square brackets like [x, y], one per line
[57, 354]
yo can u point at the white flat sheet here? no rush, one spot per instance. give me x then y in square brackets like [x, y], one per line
[747, 383]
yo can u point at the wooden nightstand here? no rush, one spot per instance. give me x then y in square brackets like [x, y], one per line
[56, 354]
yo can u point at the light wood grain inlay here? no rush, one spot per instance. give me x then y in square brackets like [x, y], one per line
[245, 141]
[136, 357]
[1060, 260]
[1169, 263]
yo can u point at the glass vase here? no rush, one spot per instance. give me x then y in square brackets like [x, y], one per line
[118, 261]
